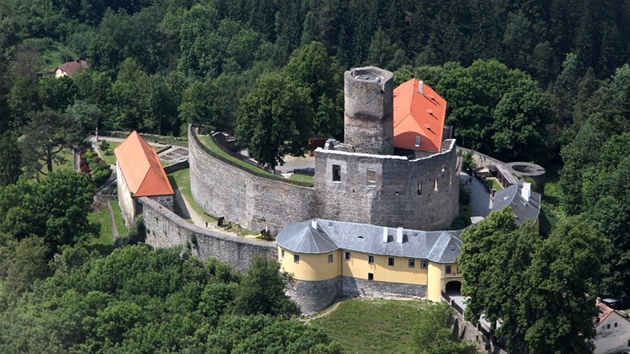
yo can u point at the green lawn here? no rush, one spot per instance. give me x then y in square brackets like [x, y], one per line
[67, 155]
[551, 212]
[372, 326]
[108, 155]
[118, 219]
[51, 53]
[181, 180]
[496, 185]
[104, 243]
[301, 178]
[209, 143]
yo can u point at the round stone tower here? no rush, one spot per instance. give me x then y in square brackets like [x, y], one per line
[368, 110]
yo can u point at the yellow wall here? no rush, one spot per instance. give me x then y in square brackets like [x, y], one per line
[434, 288]
[311, 266]
[357, 266]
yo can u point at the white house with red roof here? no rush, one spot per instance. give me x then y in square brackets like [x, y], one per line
[70, 68]
[613, 330]
[140, 174]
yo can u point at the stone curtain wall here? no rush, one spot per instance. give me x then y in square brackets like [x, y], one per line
[353, 287]
[166, 229]
[393, 199]
[314, 296]
[241, 197]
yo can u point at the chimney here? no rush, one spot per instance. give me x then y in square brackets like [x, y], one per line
[314, 224]
[526, 191]
[399, 235]
[421, 87]
[385, 237]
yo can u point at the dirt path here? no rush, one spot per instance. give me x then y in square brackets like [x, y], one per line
[327, 312]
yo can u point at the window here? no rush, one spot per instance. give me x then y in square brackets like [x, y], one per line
[417, 140]
[419, 188]
[412, 263]
[347, 256]
[330, 258]
[448, 269]
[336, 170]
[370, 276]
[435, 184]
[390, 261]
[296, 258]
[615, 324]
[370, 259]
[371, 177]
[282, 253]
[608, 326]
[423, 264]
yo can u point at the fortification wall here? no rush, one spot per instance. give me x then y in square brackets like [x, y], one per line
[166, 229]
[252, 201]
[392, 191]
[313, 296]
[353, 287]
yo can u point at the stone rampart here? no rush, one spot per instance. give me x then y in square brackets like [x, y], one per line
[313, 296]
[166, 229]
[240, 196]
[387, 190]
[353, 287]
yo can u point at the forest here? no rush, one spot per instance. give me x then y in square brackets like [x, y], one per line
[540, 81]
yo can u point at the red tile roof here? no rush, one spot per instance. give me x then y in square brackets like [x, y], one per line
[72, 67]
[604, 311]
[418, 111]
[141, 167]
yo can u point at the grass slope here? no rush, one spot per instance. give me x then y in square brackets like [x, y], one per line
[372, 326]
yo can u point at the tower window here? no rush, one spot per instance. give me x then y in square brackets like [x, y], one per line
[296, 258]
[371, 177]
[448, 269]
[435, 184]
[417, 140]
[330, 258]
[419, 188]
[336, 173]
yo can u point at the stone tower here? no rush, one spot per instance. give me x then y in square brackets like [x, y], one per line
[368, 110]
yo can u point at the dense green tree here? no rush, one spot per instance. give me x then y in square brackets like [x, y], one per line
[46, 136]
[540, 290]
[57, 93]
[261, 291]
[10, 159]
[22, 262]
[274, 119]
[312, 68]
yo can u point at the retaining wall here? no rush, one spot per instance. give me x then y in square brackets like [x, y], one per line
[166, 229]
[313, 296]
[353, 287]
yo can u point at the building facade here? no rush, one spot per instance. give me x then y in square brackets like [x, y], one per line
[329, 259]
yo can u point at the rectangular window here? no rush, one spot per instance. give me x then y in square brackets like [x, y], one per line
[448, 269]
[371, 177]
[370, 276]
[412, 263]
[370, 259]
[336, 170]
[296, 258]
[417, 140]
[423, 264]
[347, 256]
[390, 261]
[282, 253]
[419, 188]
[330, 258]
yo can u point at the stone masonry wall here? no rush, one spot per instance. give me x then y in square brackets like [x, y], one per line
[352, 287]
[251, 201]
[166, 229]
[420, 194]
[313, 296]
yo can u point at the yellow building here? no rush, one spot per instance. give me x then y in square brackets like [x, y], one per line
[329, 259]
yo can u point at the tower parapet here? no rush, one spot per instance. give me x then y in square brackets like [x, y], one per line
[368, 110]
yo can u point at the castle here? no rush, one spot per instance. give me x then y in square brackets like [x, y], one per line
[369, 179]
[372, 223]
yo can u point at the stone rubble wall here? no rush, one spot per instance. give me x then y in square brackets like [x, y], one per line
[165, 229]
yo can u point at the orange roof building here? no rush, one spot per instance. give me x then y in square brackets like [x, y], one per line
[140, 174]
[70, 68]
[419, 114]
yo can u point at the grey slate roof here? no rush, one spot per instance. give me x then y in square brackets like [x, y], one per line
[524, 210]
[436, 246]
